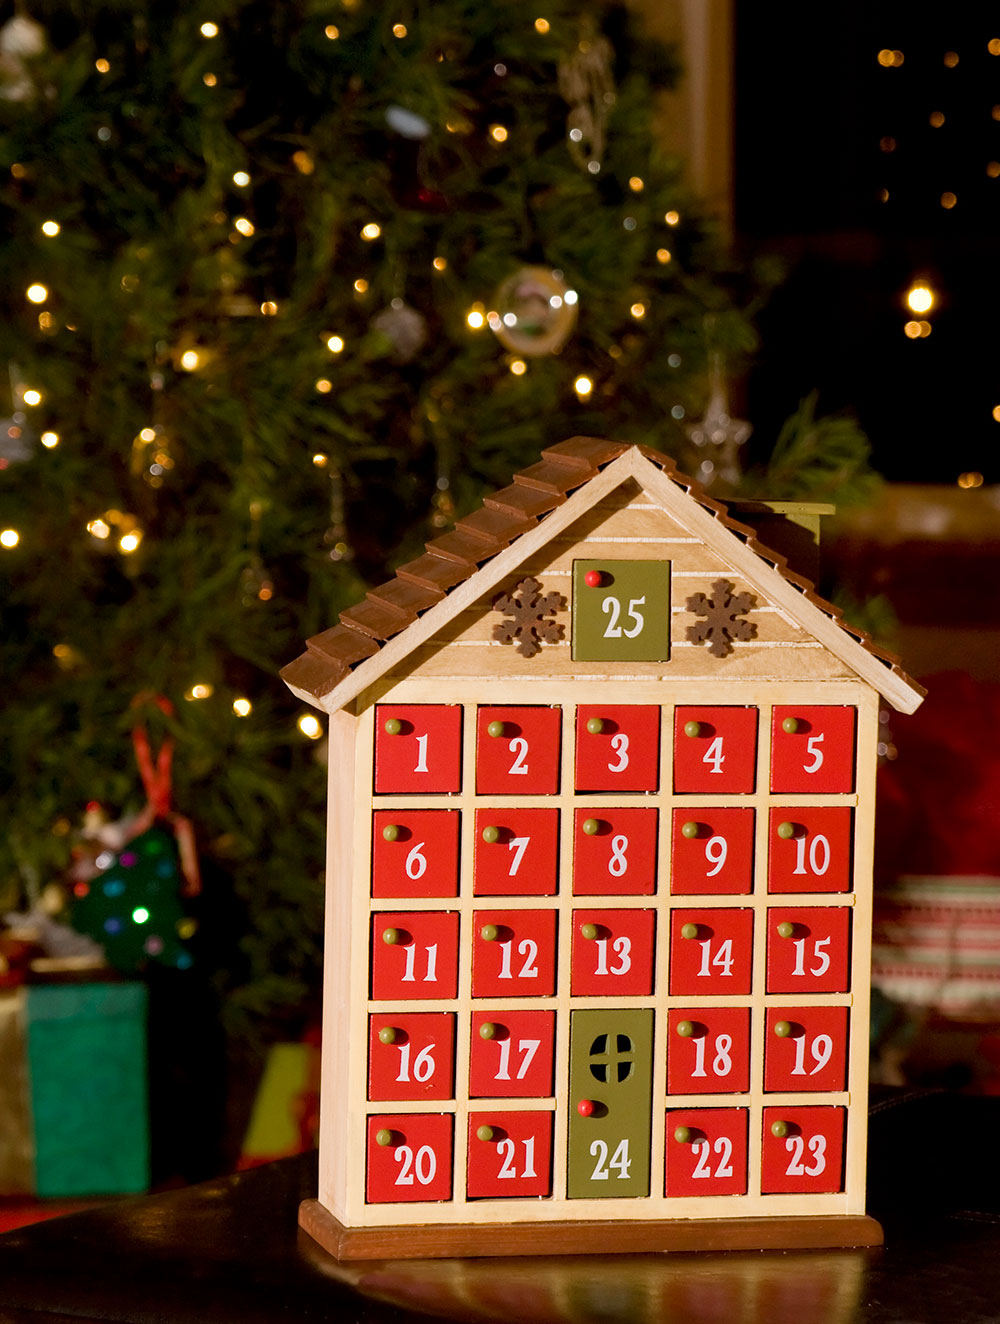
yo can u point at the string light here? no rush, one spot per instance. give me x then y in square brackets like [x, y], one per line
[672, 217]
[200, 690]
[440, 264]
[917, 330]
[102, 66]
[890, 59]
[335, 345]
[887, 144]
[331, 32]
[993, 169]
[324, 386]
[32, 397]
[663, 255]
[371, 231]
[971, 479]
[583, 387]
[209, 80]
[542, 25]
[638, 311]
[98, 528]
[49, 439]
[36, 293]
[51, 228]
[242, 707]
[498, 133]
[920, 297]
[996, 413]
[950, 59]
[361, 285]
[209, 29]
[936, 119]
[993, 46]
[128, 542]
[320, 460]
[636, 184]
[190, 360]
[518, 367]
[399, 30]
[241, 179]
[310, 726]
[244, 225]
[303, 162]
[948, 201]
[140, 915]
[9, 538]
[475, 317]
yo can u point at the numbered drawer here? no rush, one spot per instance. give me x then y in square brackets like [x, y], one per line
[511, 1054]
[510, 1154]
[711, 852]
[812, 749]
[414, 852]
[517, 751]
[409, 1157]
[708, 1050]
[514, 953]
[418, 747]
[414, 955]
[715, 750]
[706, 1151]
[809, 950]
[803, 1150]
[614, 852]
[517, 852]
[411, 1055]
[809, 850]
[617, 747]
[612, 953]
[621, 611]
[711, 952]
[805, 1049]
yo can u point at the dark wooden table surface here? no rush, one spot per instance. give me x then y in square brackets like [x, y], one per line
[230, 1250]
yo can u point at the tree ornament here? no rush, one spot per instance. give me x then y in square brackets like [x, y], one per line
[718, 435]
[528, 608]
[21, 39]
[17, 443]
[403, 329]
[335, 539]
[407, 123]
[586, 83]
[534, 312]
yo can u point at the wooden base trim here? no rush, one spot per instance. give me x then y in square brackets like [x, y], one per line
[459, 1240]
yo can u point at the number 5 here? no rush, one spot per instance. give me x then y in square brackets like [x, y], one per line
[636, 616]
[813, 748]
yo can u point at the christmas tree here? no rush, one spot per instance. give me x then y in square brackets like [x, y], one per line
[286, 287]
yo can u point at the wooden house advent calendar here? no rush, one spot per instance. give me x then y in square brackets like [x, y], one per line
[602, 778]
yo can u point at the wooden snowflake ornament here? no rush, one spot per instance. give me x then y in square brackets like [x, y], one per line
[721, 626]
[528, 609]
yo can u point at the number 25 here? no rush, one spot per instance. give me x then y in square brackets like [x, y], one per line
[613, 607]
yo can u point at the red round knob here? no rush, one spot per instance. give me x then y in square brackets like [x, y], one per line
[585, 1107]
[593, 578]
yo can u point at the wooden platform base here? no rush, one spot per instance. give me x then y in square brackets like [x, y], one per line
[460, 1240]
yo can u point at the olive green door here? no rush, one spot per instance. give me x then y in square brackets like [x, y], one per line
[610, 1102]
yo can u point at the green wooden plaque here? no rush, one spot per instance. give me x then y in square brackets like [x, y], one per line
[621, 611]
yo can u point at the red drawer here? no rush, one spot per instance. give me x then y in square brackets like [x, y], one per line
[614, 852]
[612, 953]
[510, 1154]
[715, 750]
[414, 954]
[812, 749]
[513, 953]
[810, 850]
[805, 1048]
[409, 1157]
[411, 1055]
[517, 751]
[711, 952]
[516, 852]
[415, 852]
[418, 747]
[511, 1054]
[706, 1151]
[708, 1050]
[617, 747]
[809, 949]
[803, 1150]
[711, 851]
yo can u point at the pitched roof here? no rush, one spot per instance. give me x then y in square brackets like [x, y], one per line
[343, 660]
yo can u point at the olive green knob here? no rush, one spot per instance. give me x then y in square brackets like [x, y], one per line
[485, 1133]
[388, 1034]
[786, 831]
[595, 725]
[786, 929]
[488, 1030]
[690, 830]
[685, 1029]
[791, 725]
[692, 729]
[495, 729]
[783, 1029]
[383, 1137]
[489, 933]
[591, 826]
[683, 1135]
[491, 834]
[779, 1129]
[689, 931]
[393, 726]
[391, 831]
[589, 931]
[391, 936]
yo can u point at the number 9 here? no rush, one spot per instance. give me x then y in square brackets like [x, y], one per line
[716, 850]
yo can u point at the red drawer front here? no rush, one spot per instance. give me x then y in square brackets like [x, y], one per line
[706, 1151]
[511, 1054]
[612, 953]
[809, 949]
[812, 749]
[614, 852]
[411, 1055]
[414, 852]
[712, 851]
[519, 853]
[708, 1050]
[414, 955]
[415, 1160]
[810, 850]
[510, 1154]
[715, 750]
[421, 750]
[517, 751]
[513, 953]
[807, 1154]
[805, 1048]
[711, 952]
[617, 747]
